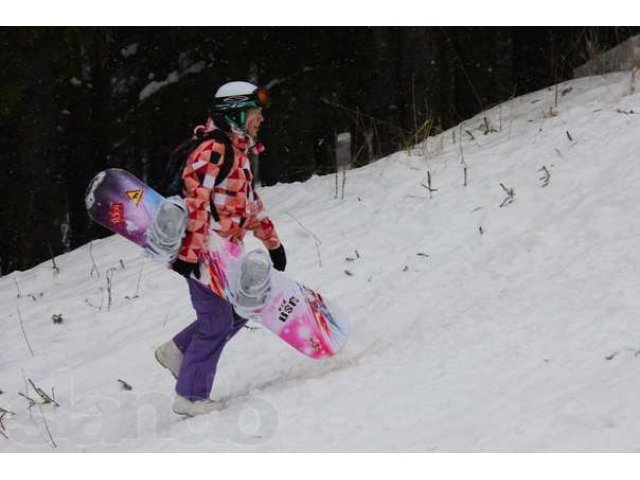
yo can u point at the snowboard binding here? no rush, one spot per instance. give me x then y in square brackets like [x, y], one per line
[164, 235]
[252, 285]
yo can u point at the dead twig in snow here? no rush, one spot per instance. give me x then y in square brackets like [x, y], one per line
[2, 427]
[462, 161]
[31, 401]
[24, 334]
[428, 185]
[46, 426]
[353, 259]
[45, 398]
[4, 413]
[546, 176]
[55, 268]
[510, 196]
[317, 241]
[109, 285]
[93, 263]
[488, 128]
[125, 385]
[17, 288]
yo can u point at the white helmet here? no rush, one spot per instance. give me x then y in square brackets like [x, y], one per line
[236, 88]
[239, 96]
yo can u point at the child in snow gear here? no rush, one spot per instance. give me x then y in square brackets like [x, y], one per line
[217, 185]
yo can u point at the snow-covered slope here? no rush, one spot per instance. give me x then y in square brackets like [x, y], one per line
[476, 327]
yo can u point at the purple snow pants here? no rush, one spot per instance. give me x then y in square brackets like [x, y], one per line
[202, 342]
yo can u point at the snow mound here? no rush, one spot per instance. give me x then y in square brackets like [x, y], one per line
[490, 273]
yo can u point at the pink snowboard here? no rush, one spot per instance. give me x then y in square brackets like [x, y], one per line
[299, 315]
[303, 318]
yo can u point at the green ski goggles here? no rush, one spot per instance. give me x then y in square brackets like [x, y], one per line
[258, 99]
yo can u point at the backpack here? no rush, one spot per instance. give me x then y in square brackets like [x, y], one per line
[172, 181]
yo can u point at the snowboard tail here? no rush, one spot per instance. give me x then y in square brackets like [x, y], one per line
[122, 203]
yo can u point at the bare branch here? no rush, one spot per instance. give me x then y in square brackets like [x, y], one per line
[17, 287]
[353, 259]
[317, 241]
[559, 153]
[510, 196]
[31, 401]
[627, 112]
[46, 426]
[99, 308]
[488, 128]
[55, 268]
[137, 287]
[2, 427]
[462, 161]
[125, 385]
[546, 176]
[109, 284]
[93, 262]
[24, 334]
[428, 185]
[46, 398]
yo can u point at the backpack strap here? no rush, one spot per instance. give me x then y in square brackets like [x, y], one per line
[227, 163]
[172, 180]
[171, 183]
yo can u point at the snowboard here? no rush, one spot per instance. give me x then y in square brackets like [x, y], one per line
[299, 315]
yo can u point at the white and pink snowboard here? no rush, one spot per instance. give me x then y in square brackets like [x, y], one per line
[300, 316]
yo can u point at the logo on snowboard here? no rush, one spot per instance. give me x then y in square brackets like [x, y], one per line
[286, 308]
[135, 195]
[116, 213]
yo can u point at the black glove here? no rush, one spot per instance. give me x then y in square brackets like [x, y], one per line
[186, 269]
[278, 258]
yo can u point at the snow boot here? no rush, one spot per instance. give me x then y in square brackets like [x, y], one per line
[170, 357]
[191, 408]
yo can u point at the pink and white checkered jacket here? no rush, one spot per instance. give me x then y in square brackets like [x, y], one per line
[230, 208]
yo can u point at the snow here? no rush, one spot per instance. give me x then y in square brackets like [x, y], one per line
[475, 327]
[154, 86]
[129, 50]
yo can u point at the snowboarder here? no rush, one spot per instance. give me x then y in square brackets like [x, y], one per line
[219, 195]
